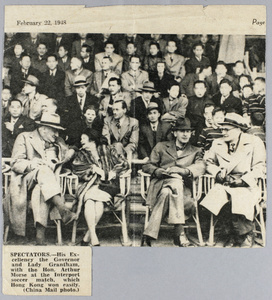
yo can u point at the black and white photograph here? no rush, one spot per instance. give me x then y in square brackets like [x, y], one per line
[134, 139]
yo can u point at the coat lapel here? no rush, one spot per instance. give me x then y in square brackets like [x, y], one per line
[36, 142]
[149, 135]
[114, 129]
[124, 128]
[171, 149]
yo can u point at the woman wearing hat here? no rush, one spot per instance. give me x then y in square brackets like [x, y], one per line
[172, 165]
[236, 161]
[97, 166]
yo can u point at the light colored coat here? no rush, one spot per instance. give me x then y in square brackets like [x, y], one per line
[176, 67]
[246, 163]
[117, 62]
[27, 147]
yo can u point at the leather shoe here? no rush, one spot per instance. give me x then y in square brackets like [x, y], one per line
[83, 243]
[182, 241]
[146, 241]
[248, 241]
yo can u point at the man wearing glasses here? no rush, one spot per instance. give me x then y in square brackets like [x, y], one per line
[236, 161]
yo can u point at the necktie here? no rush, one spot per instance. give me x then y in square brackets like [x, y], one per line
[180, 148]
[171, 58]
[80, 103]
[52, 74]
[118, 125]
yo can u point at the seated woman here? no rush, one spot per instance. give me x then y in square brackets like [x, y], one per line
[97, 166]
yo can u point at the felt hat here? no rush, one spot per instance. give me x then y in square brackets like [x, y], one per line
[182, 124]
[32, 80]
[50, 120]
[235, 120]
[80, 80]
[148, 86]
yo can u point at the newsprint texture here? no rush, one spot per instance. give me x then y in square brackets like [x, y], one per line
[128, 126]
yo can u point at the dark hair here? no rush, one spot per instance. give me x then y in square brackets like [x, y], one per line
[204, 66]
[135, 56]
[200, 81]
[6, 87]
[20, 44]
[135, 46]
[220, 62]
[52, 55]
[239, 62]
[208, 105]
[88, 48]
[171, 40]
[246, 76]
[42, 43]
[92, 134]
[119, 82]
[25, 55]
[262, 79]
[91, 107]
[65, 47]
[155, 44]
[217, 109]
[198, 44]
[247, 86]
[257, 118]
[107, 57]
[15, 99]
[109, 41]
[124, 104]
[225, 80]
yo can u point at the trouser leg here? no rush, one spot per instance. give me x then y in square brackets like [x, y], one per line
[241, 225]
[159, 211]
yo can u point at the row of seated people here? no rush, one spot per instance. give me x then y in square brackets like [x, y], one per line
[235, 159]
[108, 115]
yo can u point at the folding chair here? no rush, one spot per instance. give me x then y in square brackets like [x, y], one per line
[208, 182]
[125, 180]
[145, 181]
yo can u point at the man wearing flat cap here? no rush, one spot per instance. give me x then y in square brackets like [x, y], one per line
[139, 105]
[236, 161]
[172, 166]
[36, 161]
[31, 99]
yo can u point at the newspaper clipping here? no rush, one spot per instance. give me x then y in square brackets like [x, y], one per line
[143, 130]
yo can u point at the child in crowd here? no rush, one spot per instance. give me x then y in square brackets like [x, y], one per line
[208, 134]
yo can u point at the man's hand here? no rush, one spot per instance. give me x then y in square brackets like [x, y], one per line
[99, 171]
[180, 171]
[237, 183]
[36, 163]
[160, 173]
[221, 176]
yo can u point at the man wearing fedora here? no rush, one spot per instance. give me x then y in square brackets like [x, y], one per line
[75, 104]
[36, 161]
[31, 99]
[153, 132]
[139, 105]
[76, 70]
[236, 161]
[172, 166]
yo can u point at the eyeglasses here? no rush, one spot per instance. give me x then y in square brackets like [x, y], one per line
[226, 129]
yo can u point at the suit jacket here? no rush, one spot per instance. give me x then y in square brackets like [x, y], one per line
[131, 84]
[53, 86]
[129, 133]
[246, 163]
[176, 67]
[70, 80]
[193, 63]
[117, 62]
[8, 138]
[163, 156]
[39, 64]
[230, 104]
[213, 86]
[161, 85]
[100, 82]
[71, 110]
[138, 109]
[27, 147]
[76, 47]
[64, 66]
[16, 83]
[180, 104]
[146, 137]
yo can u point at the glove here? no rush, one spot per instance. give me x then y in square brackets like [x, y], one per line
[238, 183]
[160, 173]
[219, 178]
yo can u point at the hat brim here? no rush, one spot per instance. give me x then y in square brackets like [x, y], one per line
[30, 82]
[233, 125]
[182, 128]
[80, 84]
[147, 90]
[49, 125]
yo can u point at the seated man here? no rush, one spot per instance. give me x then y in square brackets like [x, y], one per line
[122, 129]
[36, 160]
[39, 59]
[236, 160]
[130, 51]
[172, 166]
[6, 97]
